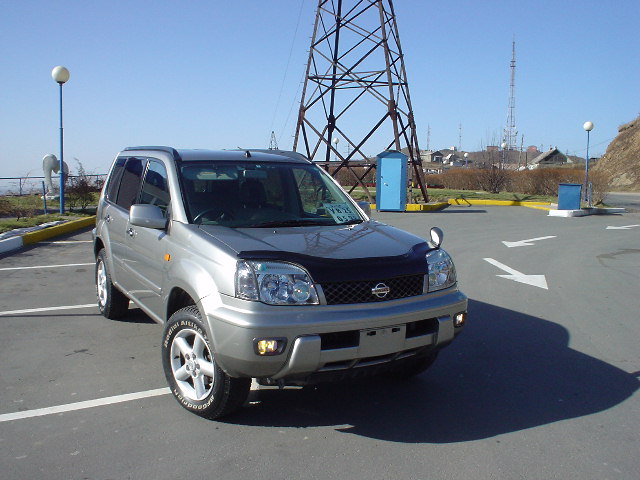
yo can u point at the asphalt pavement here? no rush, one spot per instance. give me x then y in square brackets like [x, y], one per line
[628, 200]
[542, 384]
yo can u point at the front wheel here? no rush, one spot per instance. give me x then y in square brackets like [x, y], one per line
[195, 379]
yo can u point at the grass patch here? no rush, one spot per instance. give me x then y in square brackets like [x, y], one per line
[28, 211]
[443, 194]
[7, 224]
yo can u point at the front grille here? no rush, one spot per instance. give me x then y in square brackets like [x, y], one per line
[338, 293]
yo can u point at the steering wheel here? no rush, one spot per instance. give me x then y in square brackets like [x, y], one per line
[220, 214]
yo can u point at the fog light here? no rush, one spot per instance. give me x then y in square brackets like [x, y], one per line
[459, 319]
[269, 346]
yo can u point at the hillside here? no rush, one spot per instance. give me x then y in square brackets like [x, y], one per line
[622, 159]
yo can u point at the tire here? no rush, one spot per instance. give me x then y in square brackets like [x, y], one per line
[112, 302]
[413, 367]
[195, 379]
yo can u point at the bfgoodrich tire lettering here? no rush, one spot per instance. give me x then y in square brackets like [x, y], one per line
[196, 381]
[111, 301]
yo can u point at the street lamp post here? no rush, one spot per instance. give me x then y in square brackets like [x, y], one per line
[588, 126]
[336, 140]
[504, 152]
[61, 76]
[466, 159]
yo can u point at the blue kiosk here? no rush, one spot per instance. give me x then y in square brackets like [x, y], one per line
[569, 195]
[391, 181]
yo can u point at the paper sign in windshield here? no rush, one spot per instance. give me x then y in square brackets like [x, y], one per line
[341, 212]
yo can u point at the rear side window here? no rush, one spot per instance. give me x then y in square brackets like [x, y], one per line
[114, 180]
[155, 188]
[130, 183]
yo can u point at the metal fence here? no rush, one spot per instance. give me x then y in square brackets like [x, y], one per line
[19, 186]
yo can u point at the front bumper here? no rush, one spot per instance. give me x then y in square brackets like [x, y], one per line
[324, 339]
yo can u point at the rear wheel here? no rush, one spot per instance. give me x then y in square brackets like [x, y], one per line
[111, 301]
[195, 379]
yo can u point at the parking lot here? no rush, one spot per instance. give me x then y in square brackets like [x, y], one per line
[543, 382]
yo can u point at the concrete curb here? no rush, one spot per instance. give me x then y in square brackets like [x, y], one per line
[15, 243]
[583, 212]
[417, 207]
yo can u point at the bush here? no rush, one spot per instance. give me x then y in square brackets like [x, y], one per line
[601, 185]
[542, 182]
[493, 179]
[5, 207]
[81, 191]
[458, 179]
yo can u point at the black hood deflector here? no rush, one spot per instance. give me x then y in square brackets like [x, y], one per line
[324, 270]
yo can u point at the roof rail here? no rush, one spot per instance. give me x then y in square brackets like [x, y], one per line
[284, 153]
[170, 150]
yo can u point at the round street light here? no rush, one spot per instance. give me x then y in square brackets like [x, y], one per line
[588, 126]
[61, 76]
[466, 159]
[336, 140]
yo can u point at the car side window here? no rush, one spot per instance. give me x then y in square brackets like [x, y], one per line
[155, 187]
[130, 183]
[111, 190]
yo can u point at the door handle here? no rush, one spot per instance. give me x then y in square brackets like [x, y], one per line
[107, 218]
[131, 232]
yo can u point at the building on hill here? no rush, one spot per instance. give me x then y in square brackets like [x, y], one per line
[550, 158]
[432, 161]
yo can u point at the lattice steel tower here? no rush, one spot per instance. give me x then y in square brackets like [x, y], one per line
[510, 132]
[355, 92]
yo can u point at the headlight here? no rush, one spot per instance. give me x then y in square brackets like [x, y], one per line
[442, 273]
[275, 283]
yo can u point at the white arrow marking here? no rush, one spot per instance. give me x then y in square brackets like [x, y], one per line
[526, 243]
[626, 227]
[535, 280]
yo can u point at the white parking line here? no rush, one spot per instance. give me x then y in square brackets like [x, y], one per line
[67, 241]
[47, 266]
[47, 309]
[70, 407]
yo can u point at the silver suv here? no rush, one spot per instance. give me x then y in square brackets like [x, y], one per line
[260, 266]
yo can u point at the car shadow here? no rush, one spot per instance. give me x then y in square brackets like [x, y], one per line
[460, 209]
[134, 315]
[508, 371]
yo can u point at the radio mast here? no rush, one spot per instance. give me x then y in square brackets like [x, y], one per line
[510, 132]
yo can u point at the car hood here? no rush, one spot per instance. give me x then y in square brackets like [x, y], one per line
[365, 251]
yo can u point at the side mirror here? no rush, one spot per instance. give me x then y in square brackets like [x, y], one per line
[366, 207]
[437, 235]
[149, 216]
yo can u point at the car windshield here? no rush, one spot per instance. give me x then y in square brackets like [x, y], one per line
[264, 194]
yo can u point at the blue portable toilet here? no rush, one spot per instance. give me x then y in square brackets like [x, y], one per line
[391, 181]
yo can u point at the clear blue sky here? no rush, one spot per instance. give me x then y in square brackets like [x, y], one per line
[224, 74]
